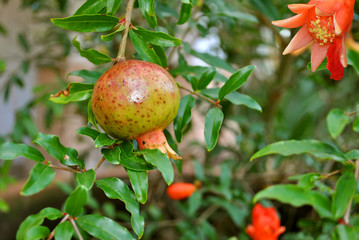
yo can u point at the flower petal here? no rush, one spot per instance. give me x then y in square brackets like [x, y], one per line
[251, 231]
[301, 39]
[342, 20]
[333, 56]
[300, 7]
[292, 22]
[328, 6]
[343, 54]
[318, 54]
[279, 231]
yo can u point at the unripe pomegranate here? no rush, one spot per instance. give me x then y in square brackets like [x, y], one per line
[137, 100]
[181, 190]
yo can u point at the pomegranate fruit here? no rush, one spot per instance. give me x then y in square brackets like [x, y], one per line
[181, 190]
[137, 100]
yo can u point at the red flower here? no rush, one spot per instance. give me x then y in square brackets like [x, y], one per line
[325, 23]
[266, 224]
[180, 190]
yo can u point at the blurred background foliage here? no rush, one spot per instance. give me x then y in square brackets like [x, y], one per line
[233, 33]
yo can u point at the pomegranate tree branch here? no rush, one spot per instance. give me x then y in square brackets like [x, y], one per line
[76, 229]
[347, 212]
[121, 52]
[99, 164]
[52, 234]
[65, 169]
[201, 96]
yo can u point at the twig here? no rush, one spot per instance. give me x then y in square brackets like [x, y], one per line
[52, 234]
[99, 163]
[347, 212]
[207, 213]
[121, 51]
[332, 173]
[65, 169]
[201, 96]
[76, 229]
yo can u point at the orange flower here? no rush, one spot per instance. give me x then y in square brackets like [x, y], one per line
[181, 190]
[325, 24]
[266, 224]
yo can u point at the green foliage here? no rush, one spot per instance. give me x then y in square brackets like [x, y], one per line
[212, 125]
[41, 176]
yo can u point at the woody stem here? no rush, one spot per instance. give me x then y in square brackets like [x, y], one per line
[201, 96]
[347, 212]
[121, 51]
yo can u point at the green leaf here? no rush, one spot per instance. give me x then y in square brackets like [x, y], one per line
[240, 99]
[112, 154]
[183, 116]
[185, 12]
[104, 140]
[235, 81]
[112, 6]
[41, 176]
[292, 147]
[161, 54]
[209, 59]
[103, 228]
[86, 179]
[88, 75]
[4, 206]
[76, 201]
[344, 232]
[322, 66]
[114, 188]
[66, 155]
[2, 65]
[110, 36]
[352, 155]
[139, 182]
[353, 60]
[37, 232]
[157, 38]
[86, 23]
[130, 160]
[306, 181]
[212, 125]
[160, 161]
[143, 49]
[91, 7]
[91, 116]
[297, 197]
[23, 41]
[36, 220]
[92, 133]
[77, 92]
[267, 8]
[336, 121]
[64, 231]
[10, 151]
[206, 79]
[92, 55]
[356, 125]
[343, 194]
[148, 11]
[194, 203]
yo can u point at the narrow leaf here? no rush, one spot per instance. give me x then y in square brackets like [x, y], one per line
[185, 12]
[143, 49]
[92, 55]
[161, 161]
[111, 36]
[64, 231]
[103, 228]
[139, 182]
[86, 179]
[37, 232]
[130, 160]
[157, 38]
[86, 23]
[112, 6]
[75, 92]
[104, 140]
[344, 192]
[91, 7]
[113, 155]
[148, 11]
[114, 188]
[10, 151]
[212, 125]
[41, 176]
[235, 81]
[88, 75]
[183, 116]
[92, 133]
[292, 147]
[76, 201]
[66, 155]
[336, 121]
